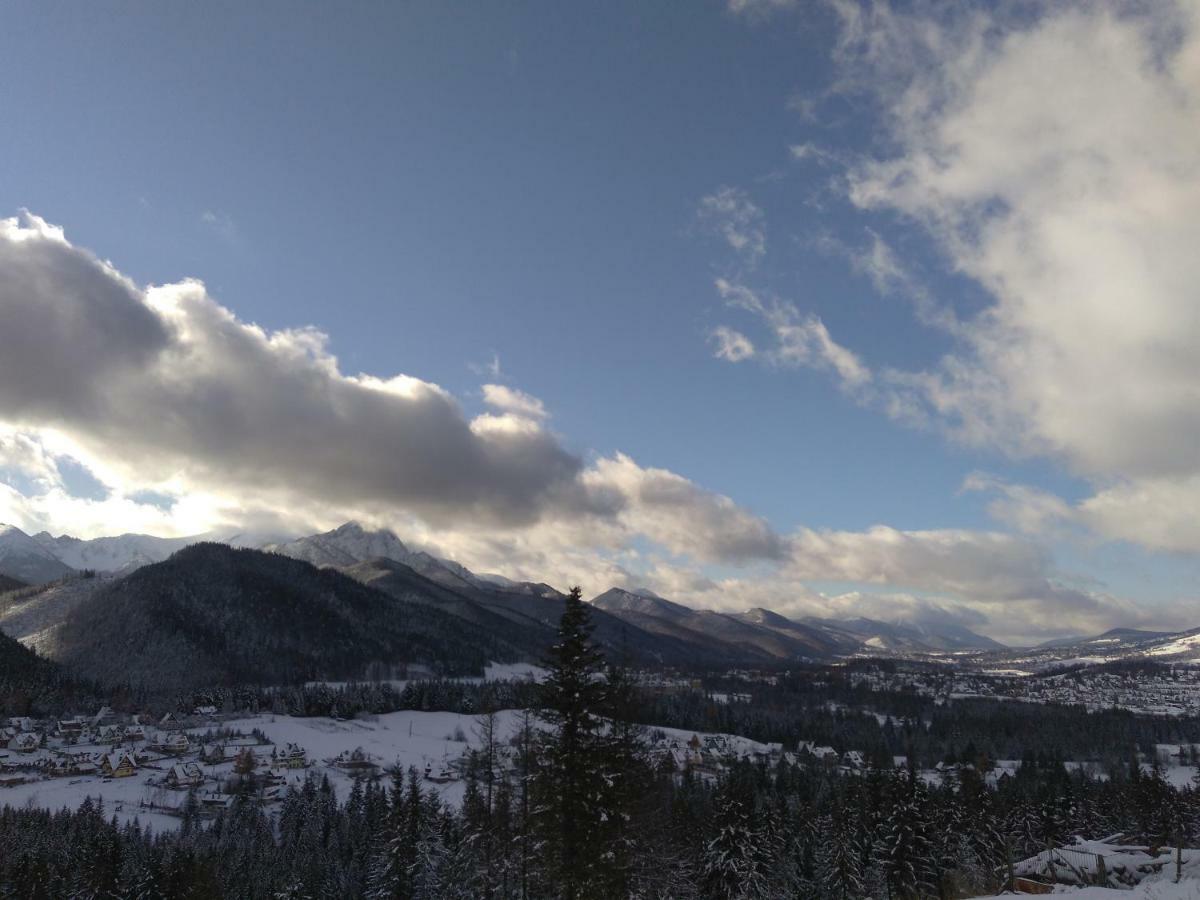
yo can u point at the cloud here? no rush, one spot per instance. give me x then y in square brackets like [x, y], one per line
[799, 340]
[731, 346]
[221, 223]
[681, 516]
[164, 390]
[731, 214]
[758, 9]
[167, 382]
[513, 401]
[1055, 160]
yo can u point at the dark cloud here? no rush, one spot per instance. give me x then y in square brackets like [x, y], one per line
[167, 381]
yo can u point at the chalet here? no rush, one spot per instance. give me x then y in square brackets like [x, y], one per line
[185, 775]
[134, 733]
[21, 723]
[271, 777]
[104, 717]
[109, 734]
[854, 759]
[119, 764]
[358, 758]
[6, 736]
[25, 742]
[206, 711]
[169, 722]
[70, 728]
[293, 757]
[174, 743]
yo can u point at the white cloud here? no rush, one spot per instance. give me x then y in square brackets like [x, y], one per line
[221, 223]
[1055, 159]
[731, 346]
[513, 401]
[758, 8]
[799, 339]
[730, 212]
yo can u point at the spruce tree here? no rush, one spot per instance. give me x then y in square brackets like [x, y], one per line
[571, 789]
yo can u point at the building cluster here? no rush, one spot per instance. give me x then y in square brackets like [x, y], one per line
[1171, 692]
[709, 756]
[163, 753]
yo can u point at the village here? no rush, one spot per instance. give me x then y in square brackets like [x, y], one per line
[1170, 692]
[149, 768]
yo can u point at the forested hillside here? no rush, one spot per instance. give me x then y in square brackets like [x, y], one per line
[212, 615]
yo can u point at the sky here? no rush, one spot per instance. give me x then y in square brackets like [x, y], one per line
[834, 308]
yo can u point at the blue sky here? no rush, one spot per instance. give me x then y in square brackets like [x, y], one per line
[440, 188]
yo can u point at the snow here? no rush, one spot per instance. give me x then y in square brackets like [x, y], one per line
[1188, 889]
[404, 739]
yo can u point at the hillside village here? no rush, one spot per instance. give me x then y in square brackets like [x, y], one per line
[149, 768]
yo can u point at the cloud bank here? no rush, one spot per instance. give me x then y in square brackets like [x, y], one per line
[162, 389]
[1056, 162]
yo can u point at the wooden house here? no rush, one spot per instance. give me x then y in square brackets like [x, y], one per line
[119, 764]
[185, 775]
[293, 757]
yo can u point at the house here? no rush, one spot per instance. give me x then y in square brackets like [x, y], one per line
[119, 764]
[109, 734]
[442, 775]
[185, 775]
[104, 717]
[21, 723]
[214, 800]
[207, 711]
[827, 756]
[854, 759]
[135, 733]
[169, 722]
[358, 758]
[25, 742]
[70, 728]
[174, 743]
[293, 757]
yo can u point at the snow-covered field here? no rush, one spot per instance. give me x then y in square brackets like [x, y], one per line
[407, 738]
[1187, 889]
[428, 741]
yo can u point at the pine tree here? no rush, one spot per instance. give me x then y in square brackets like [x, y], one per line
[839, 866]
[570, 781]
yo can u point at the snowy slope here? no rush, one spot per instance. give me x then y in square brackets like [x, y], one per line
[32, 614]
[25, 559]
[351, 543]
[112, 554]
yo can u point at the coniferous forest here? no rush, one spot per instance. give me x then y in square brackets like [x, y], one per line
[588, 813]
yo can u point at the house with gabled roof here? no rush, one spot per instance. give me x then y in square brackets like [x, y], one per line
[185, 775]
[293, 757]
[25, 742]
[119, 764]
[174, 743]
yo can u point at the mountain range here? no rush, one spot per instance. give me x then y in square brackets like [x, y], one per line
[177, 613]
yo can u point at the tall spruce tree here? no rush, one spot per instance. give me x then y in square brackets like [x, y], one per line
[572, 792]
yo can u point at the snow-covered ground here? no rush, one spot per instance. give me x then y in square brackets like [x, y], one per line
[430, 742]
[409, 738]
[1148, 890]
